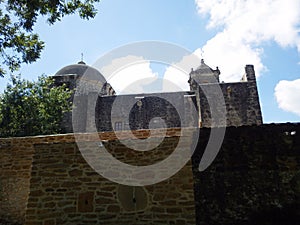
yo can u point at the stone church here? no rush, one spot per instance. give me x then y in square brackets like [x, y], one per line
[254, 179]
[216, 104]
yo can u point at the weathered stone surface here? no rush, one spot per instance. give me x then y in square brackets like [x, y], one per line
[60, 177]
[254, 174]
[251, 176]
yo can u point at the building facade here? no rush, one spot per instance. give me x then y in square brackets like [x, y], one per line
[209, 103]
[240, 100]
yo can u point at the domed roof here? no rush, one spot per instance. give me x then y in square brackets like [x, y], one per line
[81, 69]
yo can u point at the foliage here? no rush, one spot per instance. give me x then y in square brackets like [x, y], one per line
[33, 108]
[18, 43]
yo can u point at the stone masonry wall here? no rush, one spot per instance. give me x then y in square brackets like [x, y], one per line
[172, 108]
[255, 178]
[64, 189]
[241, 102]
[15, 170]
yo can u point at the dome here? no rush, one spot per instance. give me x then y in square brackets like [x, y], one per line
[80, 70]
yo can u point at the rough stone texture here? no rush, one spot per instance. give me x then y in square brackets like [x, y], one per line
[252, 179]
[136, 111]
[15, 173]
[175, 109]
[66, 190]
[240, 98]
[15, 167]
[204, 74]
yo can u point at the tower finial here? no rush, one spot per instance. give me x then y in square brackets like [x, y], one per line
[81, 61]
[202, 53]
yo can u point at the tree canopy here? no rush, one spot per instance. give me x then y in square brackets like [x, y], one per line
[18, 43]
[33, 108]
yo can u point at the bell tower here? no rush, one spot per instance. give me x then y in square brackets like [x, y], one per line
[203, 75]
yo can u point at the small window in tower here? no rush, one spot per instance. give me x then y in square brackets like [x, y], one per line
[118, 126]
[126, 126]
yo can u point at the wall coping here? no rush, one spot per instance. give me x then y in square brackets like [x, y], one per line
[97, 136]
[126, 134]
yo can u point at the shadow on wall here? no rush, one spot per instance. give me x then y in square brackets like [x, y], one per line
[6, 222]
[285, 215]
[254, 180]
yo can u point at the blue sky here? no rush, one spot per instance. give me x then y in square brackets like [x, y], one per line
[231, 34]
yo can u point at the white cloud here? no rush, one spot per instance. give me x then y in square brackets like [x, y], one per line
[243, 25]
[129, 75]
[231, 56]
[246, 24]
[287, 94]
[133, 75]
[177, 75]
[175, 80]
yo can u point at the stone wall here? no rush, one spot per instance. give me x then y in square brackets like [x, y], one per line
[255, 179]
[238, 101]
[241, 102]
[15, 170]
[178, 109]
[142, 111]
[64, 189]
[133, 112]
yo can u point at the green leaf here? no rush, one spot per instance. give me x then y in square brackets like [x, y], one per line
[18, 43]
[33, 108]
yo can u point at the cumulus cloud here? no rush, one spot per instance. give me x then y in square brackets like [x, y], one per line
[129, 75]
[175, 80]
[177, 75]
[231, 56]
[287, 94]
[244, 25]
